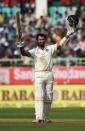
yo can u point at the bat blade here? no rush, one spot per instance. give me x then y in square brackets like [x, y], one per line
[18, 25]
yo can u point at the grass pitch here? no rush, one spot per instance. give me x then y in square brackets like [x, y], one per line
[64, 119]
[56, 113]
[42, 127]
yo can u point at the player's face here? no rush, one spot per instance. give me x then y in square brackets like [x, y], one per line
[41, 41]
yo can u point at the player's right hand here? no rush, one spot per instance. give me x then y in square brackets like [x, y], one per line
[19, 43]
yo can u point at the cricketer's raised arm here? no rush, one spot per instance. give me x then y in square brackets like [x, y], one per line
[72, 23]
[19, 42]
[20, 45]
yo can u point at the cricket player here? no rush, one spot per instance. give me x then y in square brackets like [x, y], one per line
[43, 59]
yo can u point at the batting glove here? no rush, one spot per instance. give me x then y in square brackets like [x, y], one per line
[20, 44]
[70, 30]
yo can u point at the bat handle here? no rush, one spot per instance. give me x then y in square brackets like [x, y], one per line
[20, 35]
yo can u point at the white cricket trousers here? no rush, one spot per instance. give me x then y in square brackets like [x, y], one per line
[43, 94]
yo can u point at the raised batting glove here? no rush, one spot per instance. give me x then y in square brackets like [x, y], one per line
[72, 22]
[20, 44]
[70, 30]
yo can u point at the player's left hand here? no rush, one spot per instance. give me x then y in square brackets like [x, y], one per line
[70, 30]
[72, 23]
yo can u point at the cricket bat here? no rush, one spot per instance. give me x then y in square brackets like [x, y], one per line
[18, 25]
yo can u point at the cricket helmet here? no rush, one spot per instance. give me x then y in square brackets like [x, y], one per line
[73, 20]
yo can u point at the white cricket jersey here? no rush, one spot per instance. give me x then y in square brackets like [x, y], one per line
[43, 57]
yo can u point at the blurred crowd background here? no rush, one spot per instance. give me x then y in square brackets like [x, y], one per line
[53, 25]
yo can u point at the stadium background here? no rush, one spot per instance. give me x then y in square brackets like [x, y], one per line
[17, 72]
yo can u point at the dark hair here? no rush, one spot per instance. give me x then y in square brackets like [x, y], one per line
[40, 34]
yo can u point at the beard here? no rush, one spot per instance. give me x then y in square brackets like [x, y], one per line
[41, 46]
